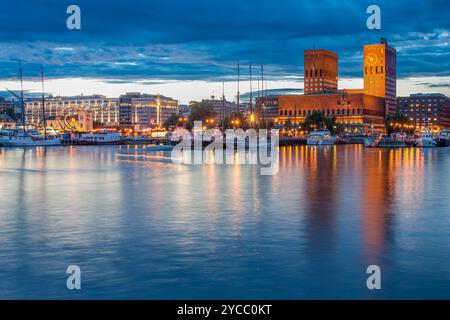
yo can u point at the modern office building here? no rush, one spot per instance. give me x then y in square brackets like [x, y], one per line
[380, 75]
[358, 112]
[320, 71]
[430, 110]
[139, 111]
[103, 110]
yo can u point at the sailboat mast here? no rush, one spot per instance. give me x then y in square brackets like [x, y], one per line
[263, 104]
[223, 103]
[251, 90]
[44, 122]
[21, 96]
[238, 93]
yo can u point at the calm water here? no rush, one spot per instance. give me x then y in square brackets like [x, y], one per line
[140, 226]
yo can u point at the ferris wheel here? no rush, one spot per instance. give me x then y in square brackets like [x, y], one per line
[69, 123]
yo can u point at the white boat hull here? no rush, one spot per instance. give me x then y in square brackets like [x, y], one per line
[7, 141]
[370, 143]
[100, 138]
[321, 142]
[426, 143]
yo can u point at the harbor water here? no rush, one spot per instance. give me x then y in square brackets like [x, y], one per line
[141, 226]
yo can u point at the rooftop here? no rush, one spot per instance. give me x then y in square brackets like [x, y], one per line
[6, 118]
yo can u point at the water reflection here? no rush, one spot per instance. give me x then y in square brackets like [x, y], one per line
[155, 228]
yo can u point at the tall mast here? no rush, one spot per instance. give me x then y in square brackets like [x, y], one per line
[21, 96]
[44, 122]
[259, 91]
[238, 93]
[263, 104]
[251, 93]
[223, 103]
[262, 80]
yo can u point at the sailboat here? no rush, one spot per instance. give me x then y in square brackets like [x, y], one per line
[24, 138]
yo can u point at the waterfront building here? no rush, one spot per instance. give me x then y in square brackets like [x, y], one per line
[430, 110]
[380, 75]
[79, 121]
[358, 112]
[7, 122]
[103, 110]
[267, 107]
[139, 111]
[5, 104]
[223, 109]
[320, 71]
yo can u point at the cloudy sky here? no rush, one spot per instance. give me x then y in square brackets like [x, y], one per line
[187, 48]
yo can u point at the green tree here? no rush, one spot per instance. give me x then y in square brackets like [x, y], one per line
[318, 120]
[237, 120]
[201, 111]
[398, 122]
[172, 121]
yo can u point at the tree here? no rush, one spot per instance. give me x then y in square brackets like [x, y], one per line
[398, 122]
[172, 121]
[318, 120]
[237, 120]
[201, 111]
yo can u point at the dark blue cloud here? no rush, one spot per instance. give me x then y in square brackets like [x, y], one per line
[202, 40]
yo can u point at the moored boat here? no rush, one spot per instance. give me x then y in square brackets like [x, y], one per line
[321, 138]
[136, 140]
[342, 139]
[426, 140]
[371, 142]
[104, 137]
[24, 139]
[395, 140]
[443, 138]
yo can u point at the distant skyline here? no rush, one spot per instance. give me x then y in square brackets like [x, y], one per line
[185, 49]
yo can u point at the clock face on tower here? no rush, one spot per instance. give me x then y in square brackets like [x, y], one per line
[371, 58]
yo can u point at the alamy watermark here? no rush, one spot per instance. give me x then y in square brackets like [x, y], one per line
[374, 280]
[374, 20]
[232, 147]
[74, 279]
[73, 21]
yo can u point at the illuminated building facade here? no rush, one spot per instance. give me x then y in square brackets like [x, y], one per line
[81, 121]
[430, 111]
[358, 112]
[7, 122]
[380, 75]
[142, 111]
[103, 110]
[321, 71]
